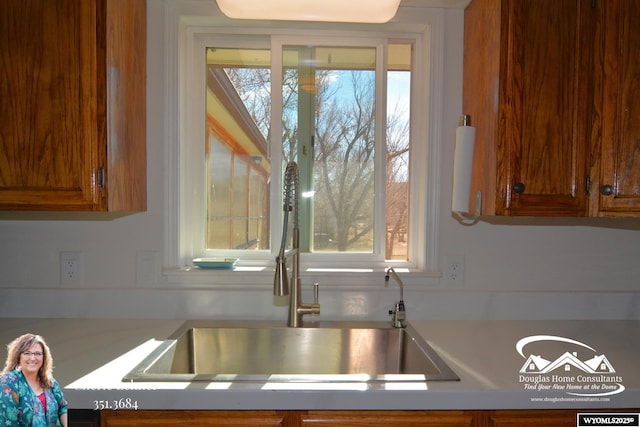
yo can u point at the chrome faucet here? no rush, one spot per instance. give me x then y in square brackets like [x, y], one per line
[297, 308]
[399, 314]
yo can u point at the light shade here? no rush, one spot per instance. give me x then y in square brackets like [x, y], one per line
[370, 11]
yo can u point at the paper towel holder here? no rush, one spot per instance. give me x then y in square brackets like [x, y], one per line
[467, 219]
[462, 166]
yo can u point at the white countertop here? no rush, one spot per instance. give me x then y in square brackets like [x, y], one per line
[92, 355]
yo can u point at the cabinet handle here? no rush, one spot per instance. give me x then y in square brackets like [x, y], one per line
[518, 188]
[606, 190]
[100, 177]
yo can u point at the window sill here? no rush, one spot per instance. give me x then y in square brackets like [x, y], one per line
[251, 277]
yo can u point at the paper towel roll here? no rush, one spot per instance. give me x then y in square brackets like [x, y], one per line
[462, 166]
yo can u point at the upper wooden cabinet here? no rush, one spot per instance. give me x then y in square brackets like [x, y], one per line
[552, 88]
[527, 73]
[616, 137]
[73, 105]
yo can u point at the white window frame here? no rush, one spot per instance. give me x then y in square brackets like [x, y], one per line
[187, 33]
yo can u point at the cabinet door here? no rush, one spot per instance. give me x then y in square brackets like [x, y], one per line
[73, 105]
[619, 187]
[48, 135]
[541, 418]
[543, 127]
[388, 418]
[191, 418]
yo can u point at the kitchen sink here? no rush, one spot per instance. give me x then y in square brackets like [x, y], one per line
[340, 351]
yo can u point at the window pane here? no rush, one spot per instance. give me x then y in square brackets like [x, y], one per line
[397, 156]
[219, 195]
[238, 166]
[329, 130]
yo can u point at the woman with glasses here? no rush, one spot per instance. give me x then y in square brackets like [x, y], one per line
[29, 395]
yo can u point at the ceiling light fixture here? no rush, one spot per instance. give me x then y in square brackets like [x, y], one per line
[366, 11]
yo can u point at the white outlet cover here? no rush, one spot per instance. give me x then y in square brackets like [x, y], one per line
[453, 271]
[71, 268]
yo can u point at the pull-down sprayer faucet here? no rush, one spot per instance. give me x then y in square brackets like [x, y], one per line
[399, 319]
[297, 308]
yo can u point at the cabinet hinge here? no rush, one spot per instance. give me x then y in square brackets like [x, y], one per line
[100, 177]
[587, 185]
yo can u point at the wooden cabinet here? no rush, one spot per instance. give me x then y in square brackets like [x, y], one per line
[289, 418]
[111, 418]
[387, 418]
[616, 138]
[551, 86]
[526, 75]
[73, 105]
[194, 418]
[548, 418]
[470, 418]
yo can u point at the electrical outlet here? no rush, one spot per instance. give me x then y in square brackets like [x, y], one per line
[71, 268]
[454, 270]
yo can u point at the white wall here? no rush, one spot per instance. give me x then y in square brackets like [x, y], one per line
[566, 270]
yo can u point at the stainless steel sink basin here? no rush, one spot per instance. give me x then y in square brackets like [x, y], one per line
[335, 352]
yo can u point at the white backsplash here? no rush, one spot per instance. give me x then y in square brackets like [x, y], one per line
[335, 305]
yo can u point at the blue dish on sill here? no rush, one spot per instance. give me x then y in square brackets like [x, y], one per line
[216, 263]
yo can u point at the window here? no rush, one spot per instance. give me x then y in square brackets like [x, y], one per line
[350, 107]
[329, 108]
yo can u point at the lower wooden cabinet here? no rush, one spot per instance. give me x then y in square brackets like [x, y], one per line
[504, 418]
[549, 418]
[194, 418]
[386, 418]
[288, 418]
